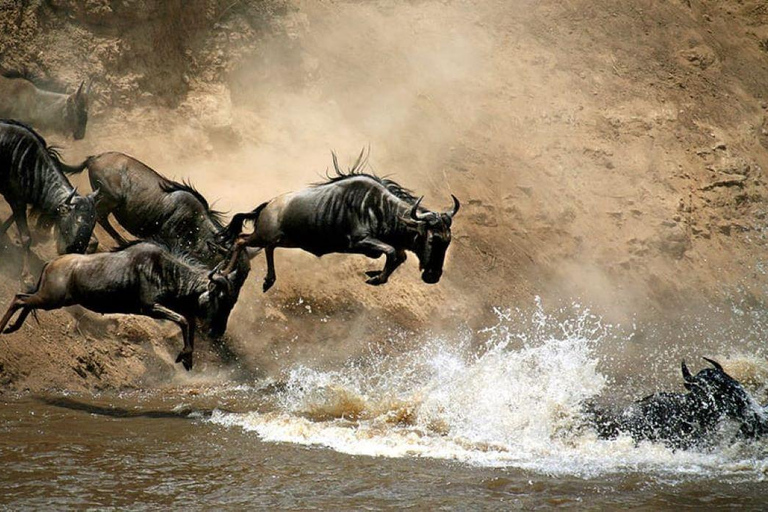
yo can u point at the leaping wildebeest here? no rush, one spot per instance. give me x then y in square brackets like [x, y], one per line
[351, 212]
[140, 279]
[152, 207]
[31, 174]
[22, 100]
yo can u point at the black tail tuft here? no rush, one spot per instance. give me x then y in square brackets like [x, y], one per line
[75, 169]
[228, 234]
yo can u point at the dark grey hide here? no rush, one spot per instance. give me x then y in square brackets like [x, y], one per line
[31, 174]
[152, 207]
[22, 100]
[352, 212]
[683, 420]
[140, 279]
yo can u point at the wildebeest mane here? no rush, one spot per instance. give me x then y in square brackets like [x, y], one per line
[52, 151]
[170, 186]
[358, 169]
[181, 256]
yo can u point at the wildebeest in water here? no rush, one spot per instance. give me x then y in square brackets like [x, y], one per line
[31, 174]
[687, 419]
[141, 279]
[22, 100]
[352, 212]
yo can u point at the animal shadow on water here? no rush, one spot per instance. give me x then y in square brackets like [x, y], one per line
[183, 413]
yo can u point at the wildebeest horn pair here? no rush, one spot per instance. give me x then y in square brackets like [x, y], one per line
[416, 215]
[687, 373]
[87, 90]
[218, 277]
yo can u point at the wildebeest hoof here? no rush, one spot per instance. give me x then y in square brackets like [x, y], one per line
[268, 284]
[373, 273]
[185, 359]
[376, 280]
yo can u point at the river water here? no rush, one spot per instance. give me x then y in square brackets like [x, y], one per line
[447, 424]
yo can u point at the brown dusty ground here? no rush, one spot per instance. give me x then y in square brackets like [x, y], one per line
[604, 151]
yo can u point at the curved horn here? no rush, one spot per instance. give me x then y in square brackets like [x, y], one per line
[714, 363]
[220, 279]
[71, 196]
[456, 206]
[80, 89]
[215, 270]
[415, 215]
[687, 377]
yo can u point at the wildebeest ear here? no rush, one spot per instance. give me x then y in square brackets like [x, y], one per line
[687, 377]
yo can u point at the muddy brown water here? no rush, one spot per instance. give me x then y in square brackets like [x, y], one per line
[157, 451]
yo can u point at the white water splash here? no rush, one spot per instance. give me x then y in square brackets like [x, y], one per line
[517, 402]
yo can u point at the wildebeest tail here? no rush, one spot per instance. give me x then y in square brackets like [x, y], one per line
[233, 229]
[75, 169]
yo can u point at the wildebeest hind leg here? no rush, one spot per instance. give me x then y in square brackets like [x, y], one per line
[16, 304]
[162, 313]
[104, 222]
[25, 311]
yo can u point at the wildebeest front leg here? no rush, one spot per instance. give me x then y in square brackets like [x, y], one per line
[374, 248]
[162, 313]
[7, 224]
[4, 227]
[270, 278]
[20, 214]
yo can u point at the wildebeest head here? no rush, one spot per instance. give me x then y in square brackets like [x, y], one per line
[718, 393]
[77, 111]
[432, 239]
[217, 301]
[76, 218]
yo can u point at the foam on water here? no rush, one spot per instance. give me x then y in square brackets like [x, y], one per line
[516, 402]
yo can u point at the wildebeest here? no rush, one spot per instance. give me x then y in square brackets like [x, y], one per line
[45, 110]
[152, 207]
[352, 212]
[685, 419]
[31, 174]
[141, 279]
